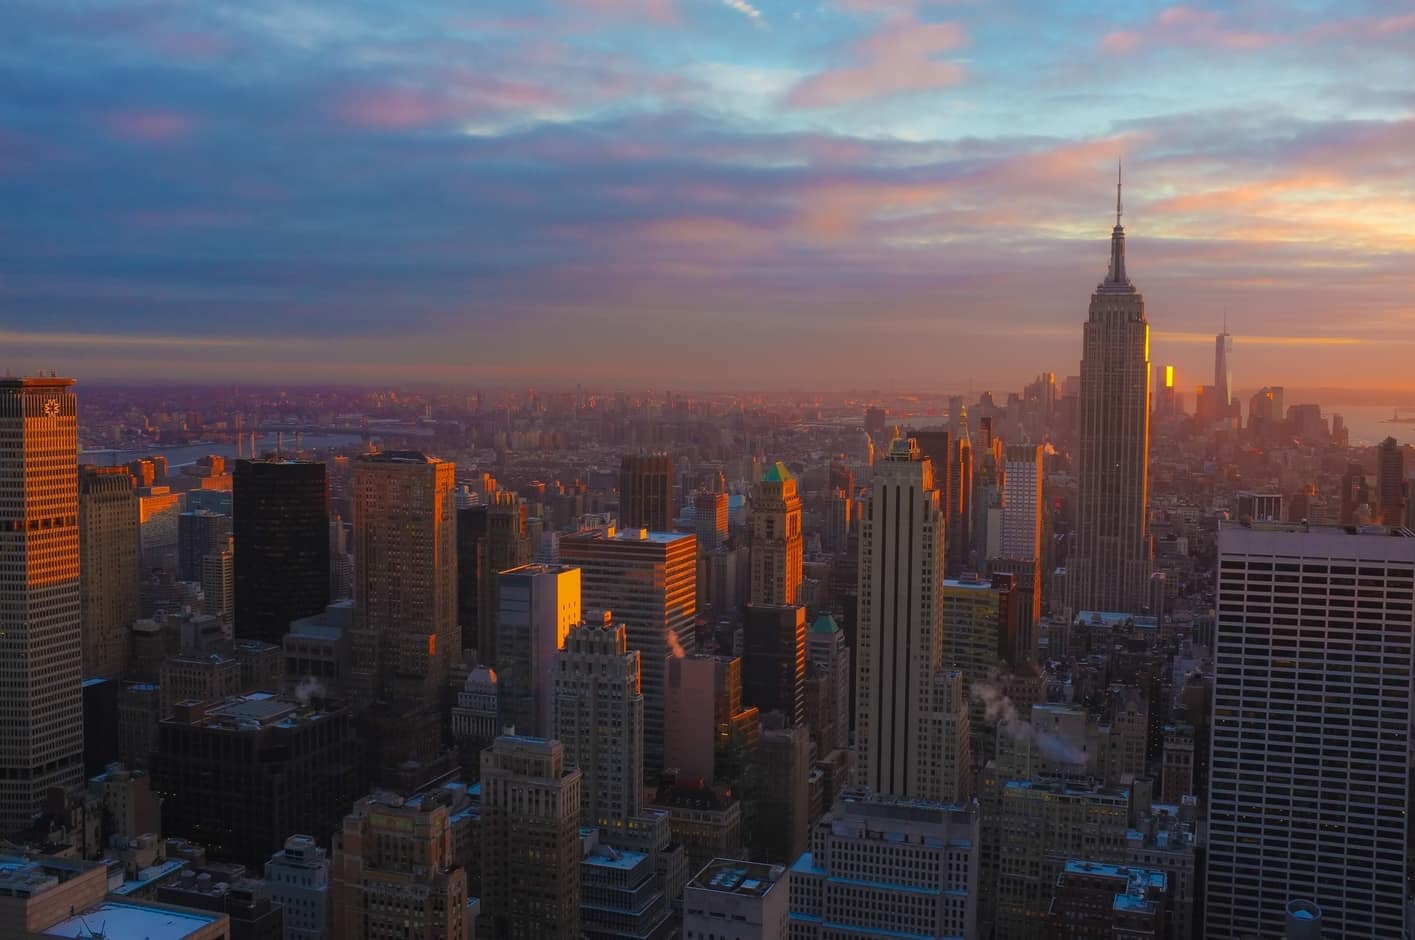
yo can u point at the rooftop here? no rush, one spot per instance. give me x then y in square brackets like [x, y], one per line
[731, 876]
[777, 473]
[126, 919]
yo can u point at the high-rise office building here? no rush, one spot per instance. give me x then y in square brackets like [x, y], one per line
[599, 718]
[200, 532]
[506, 545]
[218, 585]
[530, 840]
[646, 492]
[649, 581]
[110, 568]
[1109, 567]
[777, 544]
[710, 520]
[1223, 369]
[538, 604]
[471, 531]
[405, 579]
[1024, 507]
[1309, 776]
[1392, 487]
[828, 655]
[395, 872]
[898, 636]
[41, 695]
[886, 867]
[774, 660]
[280, 524]
[239, 776]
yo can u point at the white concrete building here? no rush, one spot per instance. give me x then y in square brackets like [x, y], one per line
[734, 900]
[1310, 773]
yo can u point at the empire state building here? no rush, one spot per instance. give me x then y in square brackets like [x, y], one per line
[1109, 568]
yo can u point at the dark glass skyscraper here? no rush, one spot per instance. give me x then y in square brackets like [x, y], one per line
[646, 492]
[281, 530]
[1110, 564]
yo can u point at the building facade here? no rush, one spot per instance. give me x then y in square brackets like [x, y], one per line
[395, 874]
[899, 630]
[536, 607]
[736, 900]
[405, 578]
[885, 867]
[280, 529]
[530, 840]
[649, 581]
[777, 543]
[110, 567]
[646, 492]
[599, 719]
[41, 610]
[1311, 717]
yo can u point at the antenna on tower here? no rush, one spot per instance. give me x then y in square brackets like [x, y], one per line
[1117, 191]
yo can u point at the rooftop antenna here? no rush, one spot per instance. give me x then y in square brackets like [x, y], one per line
[1117, 191]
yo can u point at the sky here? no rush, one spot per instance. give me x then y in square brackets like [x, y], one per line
[902, 194]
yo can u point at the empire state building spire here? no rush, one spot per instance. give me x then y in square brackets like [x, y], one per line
[1115, 278]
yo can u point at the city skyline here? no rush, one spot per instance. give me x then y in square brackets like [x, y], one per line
[857, 180]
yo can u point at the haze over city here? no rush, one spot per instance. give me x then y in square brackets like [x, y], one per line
[702, 194]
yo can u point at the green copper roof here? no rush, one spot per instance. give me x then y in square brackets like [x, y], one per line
[825, 623]
[777, 473]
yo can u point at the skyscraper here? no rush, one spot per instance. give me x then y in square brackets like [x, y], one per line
[506, 545]
[710, 520]
[280, 523]
[200, 532]
[898, 635]
[1309, 774]
[1223, 370]
[777, 545]
[405, 577]
[1023, 504]
[1392, 489]
[1109, 568]
[41, 697]
[538, 606]
[110, 568]
[599, 718]
[649, 581]
[646, 492]
[530, 840]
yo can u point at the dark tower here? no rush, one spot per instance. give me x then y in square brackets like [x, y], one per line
[646, 492]
[281, 530]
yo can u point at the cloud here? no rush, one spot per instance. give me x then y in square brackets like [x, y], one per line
[1179, 26]
[900, 57]
[746, 9]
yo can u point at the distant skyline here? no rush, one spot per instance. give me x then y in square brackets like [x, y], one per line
[684, 193]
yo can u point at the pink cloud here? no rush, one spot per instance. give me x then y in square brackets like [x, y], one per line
[901, 56]
[1121, 42]
[1191, 26]
[390, 109]
[151, 126]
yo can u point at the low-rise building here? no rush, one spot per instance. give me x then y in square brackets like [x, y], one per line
[885, 866]
[736, 900]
